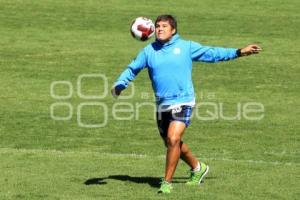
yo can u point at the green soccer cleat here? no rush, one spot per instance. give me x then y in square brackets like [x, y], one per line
[197, 177]
[165, 187]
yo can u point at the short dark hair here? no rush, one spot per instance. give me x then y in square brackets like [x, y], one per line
[171, 19]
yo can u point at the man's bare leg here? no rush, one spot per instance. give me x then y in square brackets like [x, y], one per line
[173, 143]
[187, 156]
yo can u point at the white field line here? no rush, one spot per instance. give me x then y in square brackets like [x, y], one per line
[133, 155]
[282, 153]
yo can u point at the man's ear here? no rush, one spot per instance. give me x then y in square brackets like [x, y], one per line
[173, 31]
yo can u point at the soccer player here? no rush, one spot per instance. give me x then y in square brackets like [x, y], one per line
[169, 63]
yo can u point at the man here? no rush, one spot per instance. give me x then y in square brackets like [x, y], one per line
[169, 63]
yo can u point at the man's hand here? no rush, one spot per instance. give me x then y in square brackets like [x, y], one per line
[115, 92]
[250, 49]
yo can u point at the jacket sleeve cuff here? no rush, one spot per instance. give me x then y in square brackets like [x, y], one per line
[120, 85]
[238, 53]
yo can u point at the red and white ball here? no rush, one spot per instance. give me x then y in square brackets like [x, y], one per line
[142, 28]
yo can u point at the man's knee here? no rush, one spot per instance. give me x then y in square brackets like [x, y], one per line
[173, 141]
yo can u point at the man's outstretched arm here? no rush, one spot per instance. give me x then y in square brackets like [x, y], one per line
[129, 74]
[217, 54]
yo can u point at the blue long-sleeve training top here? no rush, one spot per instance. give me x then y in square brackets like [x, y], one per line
[170, 68]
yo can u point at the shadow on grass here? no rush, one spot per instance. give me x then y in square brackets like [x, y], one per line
[152, 181]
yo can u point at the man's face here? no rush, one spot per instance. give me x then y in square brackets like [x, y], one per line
[164, 31]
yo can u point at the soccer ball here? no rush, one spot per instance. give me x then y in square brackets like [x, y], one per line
[142, 28]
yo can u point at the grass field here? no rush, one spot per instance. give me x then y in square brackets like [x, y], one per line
[43, 42]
